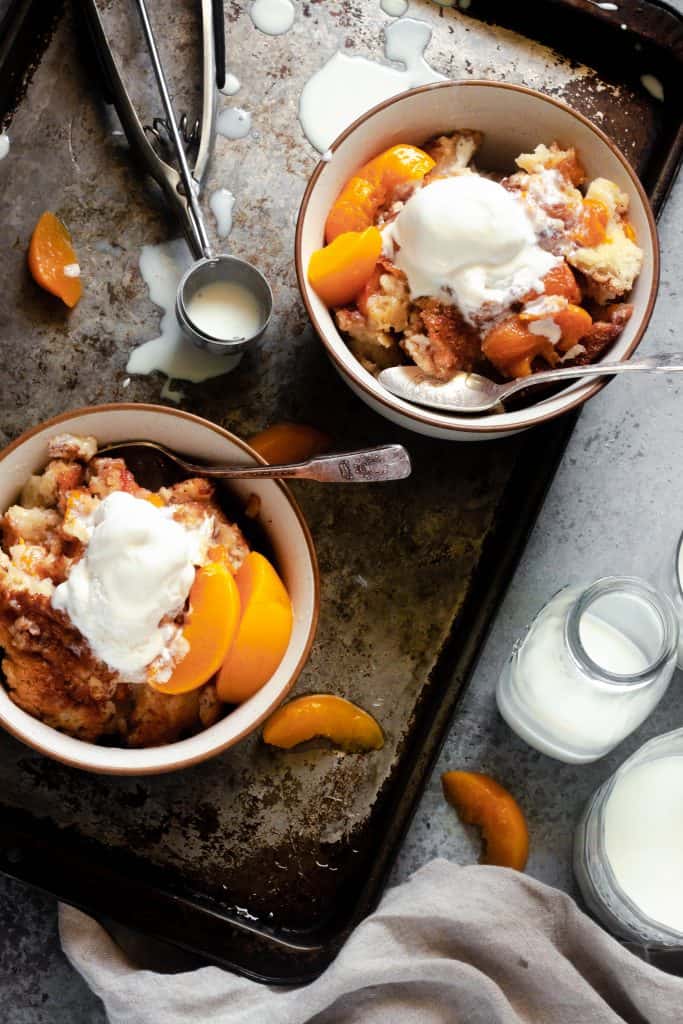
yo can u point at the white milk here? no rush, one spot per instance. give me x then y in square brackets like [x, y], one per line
[231, 86]
[345, 87]
[609, 648]
[644, 837]
[221, 203]
[394, 8]
[233, 123]
[274, 17]
[558, 706]
[225, 310]
[653, 86]
[564, 704]
[172, 353]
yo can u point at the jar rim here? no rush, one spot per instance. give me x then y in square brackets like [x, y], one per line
[659, 602]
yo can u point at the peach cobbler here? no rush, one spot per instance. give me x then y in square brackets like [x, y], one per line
[126, 615]
[431, 261]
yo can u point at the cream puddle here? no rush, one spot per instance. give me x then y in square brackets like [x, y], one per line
[653, 86]
[221, 203]
[171, 352]
[231, 86]
[233, 123]
[274, 17]
[394, 8]
[345, 87]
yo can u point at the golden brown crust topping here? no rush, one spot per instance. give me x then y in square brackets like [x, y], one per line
[440, 342]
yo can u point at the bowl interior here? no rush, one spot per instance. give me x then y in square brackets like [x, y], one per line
[286, 532]
[513, 121]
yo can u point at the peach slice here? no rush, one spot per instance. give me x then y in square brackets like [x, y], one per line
[558, 281]
[592, 227]
[512, 347]
[290, 442]
[574, 322]
[209, 630]
[50, 255]
[323, 714]
[154, 499]
[480, 800]
[263, 633]
[358, 202]
[339, 271]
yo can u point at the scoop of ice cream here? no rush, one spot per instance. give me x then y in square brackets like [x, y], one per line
[466, 239]
[137, 570]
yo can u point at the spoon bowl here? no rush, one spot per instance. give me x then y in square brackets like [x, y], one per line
[473, 393]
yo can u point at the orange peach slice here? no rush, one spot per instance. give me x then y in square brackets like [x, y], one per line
[358, 202]
[50, 255]
[154, 499]
[339, 271]
[512, 347]
[263, 633]
[574, 322]
[480, 800]
[592, 227]
[559, 281]
[209, 630]
[322, 714]
[290, 442]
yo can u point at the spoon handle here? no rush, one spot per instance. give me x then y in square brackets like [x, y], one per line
[664, 363]
[369, 465]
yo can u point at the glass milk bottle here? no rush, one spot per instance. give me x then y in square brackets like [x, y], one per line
[629, 844]
[591, 667]
[671, 582]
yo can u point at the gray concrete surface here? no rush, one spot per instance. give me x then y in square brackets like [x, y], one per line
[614, 507]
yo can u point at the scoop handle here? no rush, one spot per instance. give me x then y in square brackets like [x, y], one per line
[369, 465]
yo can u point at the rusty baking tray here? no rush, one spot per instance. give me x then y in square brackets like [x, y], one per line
[264, 860]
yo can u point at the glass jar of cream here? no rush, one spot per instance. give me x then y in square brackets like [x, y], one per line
[627, 848]
[591, 667]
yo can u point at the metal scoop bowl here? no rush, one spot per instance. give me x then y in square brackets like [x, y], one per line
[222, 269]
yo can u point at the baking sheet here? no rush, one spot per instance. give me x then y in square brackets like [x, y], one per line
[263, 859]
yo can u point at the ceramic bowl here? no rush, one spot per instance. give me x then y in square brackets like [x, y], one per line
[287, 532]
[514, 120]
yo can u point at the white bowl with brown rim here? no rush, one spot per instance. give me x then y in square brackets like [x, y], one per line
[514, 120]
[287, 533]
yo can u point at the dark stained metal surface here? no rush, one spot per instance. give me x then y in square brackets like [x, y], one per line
[263, 859]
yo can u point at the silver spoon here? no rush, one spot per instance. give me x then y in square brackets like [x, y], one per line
[368, 465]
[470, 392]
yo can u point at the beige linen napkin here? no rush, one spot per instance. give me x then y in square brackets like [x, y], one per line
[453, 945]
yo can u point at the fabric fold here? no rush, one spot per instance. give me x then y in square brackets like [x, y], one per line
[453, 945]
